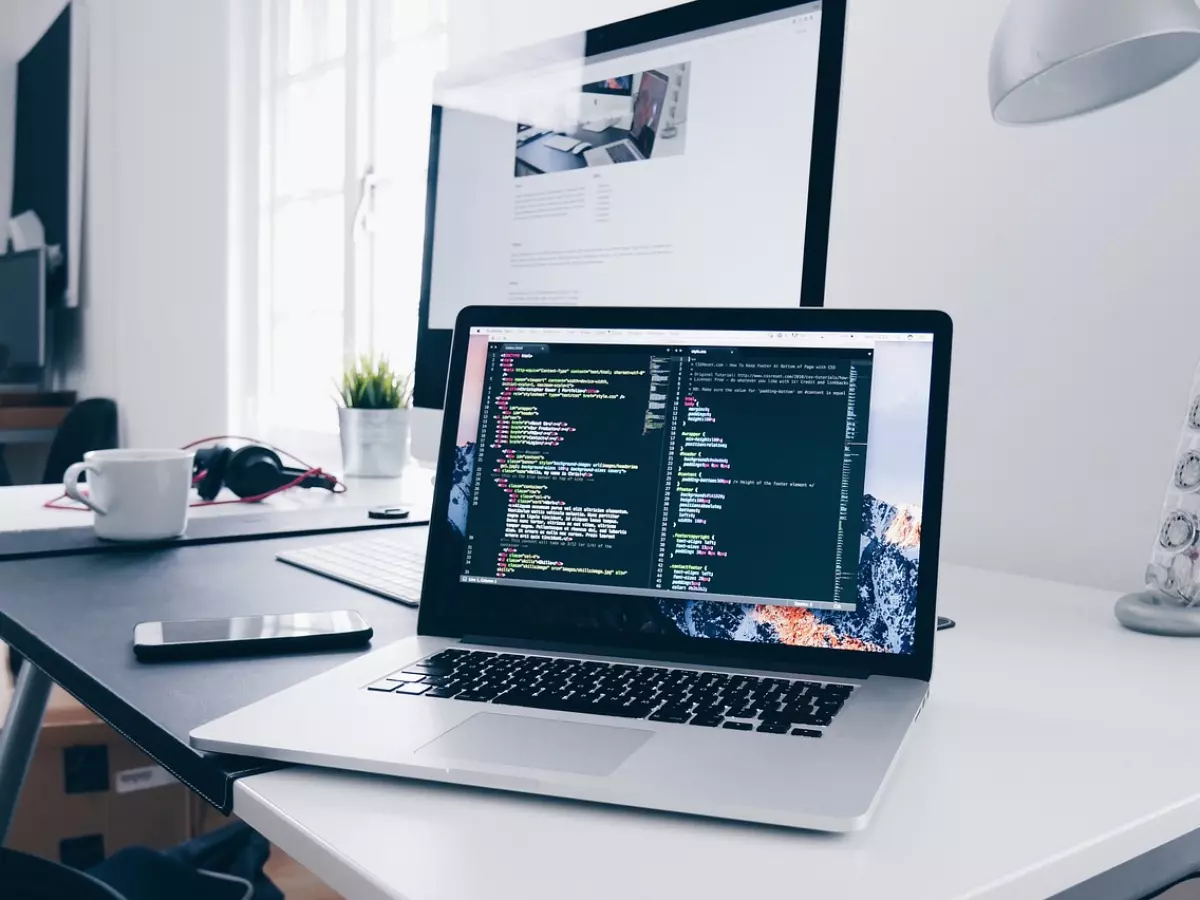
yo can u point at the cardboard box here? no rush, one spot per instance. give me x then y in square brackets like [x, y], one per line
[89, 792]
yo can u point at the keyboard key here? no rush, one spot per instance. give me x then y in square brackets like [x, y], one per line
[739, 726]
[774, 726]
[411, 688]
[676, 718]
[707, 721]
[442, 692]
[407, 676]
[429, 669]
[811, 719]
[629, 711]
[807, 732]
[385, 686]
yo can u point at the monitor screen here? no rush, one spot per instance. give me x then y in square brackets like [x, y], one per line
[707, 204]
[22, 312]
[762, 487]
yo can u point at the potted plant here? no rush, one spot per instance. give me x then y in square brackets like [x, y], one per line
[373, 418]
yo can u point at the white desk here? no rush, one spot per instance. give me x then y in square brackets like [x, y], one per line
[22, 507]
[1055, 746]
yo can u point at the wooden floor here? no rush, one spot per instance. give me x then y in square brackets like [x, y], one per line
[296, 882]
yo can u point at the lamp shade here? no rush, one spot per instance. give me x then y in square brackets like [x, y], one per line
[1058, 58]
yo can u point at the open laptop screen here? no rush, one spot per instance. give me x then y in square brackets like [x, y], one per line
[745, 486]
[647, 110]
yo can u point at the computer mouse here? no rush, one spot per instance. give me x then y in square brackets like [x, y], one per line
[581, 147]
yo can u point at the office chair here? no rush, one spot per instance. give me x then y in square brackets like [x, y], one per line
[90, 425]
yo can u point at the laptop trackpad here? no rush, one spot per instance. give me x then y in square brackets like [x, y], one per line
[538, 743]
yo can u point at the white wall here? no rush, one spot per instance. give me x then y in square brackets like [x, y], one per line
[157, 217]
[8, 129]
[1068, 256]
[22, 24]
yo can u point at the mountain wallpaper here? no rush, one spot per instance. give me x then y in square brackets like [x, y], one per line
[460, 487]
[890, 544]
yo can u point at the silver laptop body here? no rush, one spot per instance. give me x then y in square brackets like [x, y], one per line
[546, 663]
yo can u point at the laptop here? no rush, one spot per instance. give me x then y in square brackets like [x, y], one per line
[679, 559]
[647, 111]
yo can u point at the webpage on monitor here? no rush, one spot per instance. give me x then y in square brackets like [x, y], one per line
[675, 173]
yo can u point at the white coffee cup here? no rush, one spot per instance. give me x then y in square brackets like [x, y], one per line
[137, 495]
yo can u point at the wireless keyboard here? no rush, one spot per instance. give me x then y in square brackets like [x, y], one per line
[390, 566]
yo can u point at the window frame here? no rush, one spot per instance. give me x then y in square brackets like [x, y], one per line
[265, 44]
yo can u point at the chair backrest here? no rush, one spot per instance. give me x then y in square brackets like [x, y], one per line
[90, 425]
[25, 877]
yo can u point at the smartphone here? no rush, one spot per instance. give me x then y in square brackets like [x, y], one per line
[250, 635]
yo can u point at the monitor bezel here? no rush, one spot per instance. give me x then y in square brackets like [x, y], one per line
[433, 344]
[31, 372]
[446, 602]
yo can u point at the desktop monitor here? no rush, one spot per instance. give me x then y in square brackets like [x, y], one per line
[726, 205]
[619, 85]
[22, 315]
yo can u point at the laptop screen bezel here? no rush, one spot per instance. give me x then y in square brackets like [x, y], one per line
[446, 603]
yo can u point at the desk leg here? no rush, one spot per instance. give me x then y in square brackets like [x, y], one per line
[19, 738]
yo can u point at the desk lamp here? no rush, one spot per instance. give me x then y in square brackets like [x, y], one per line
[1054, 59]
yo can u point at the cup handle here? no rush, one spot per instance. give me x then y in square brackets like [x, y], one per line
[71, 486]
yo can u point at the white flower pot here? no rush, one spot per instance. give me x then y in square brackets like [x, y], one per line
[375, 442]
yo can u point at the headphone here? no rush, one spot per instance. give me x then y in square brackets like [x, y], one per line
[251, 472]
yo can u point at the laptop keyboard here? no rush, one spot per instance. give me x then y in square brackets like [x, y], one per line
[619, 153]
[655, 693]
[391, 566]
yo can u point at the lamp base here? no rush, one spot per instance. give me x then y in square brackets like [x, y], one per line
[1151, 612]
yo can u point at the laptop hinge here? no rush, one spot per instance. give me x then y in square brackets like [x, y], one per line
[661, 656]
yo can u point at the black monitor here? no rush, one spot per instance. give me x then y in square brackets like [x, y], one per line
[735, 119]
[22, 316]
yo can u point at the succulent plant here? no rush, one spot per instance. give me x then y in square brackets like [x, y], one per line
[372, 383]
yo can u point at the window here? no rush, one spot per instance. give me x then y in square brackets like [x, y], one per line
[343, 128]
